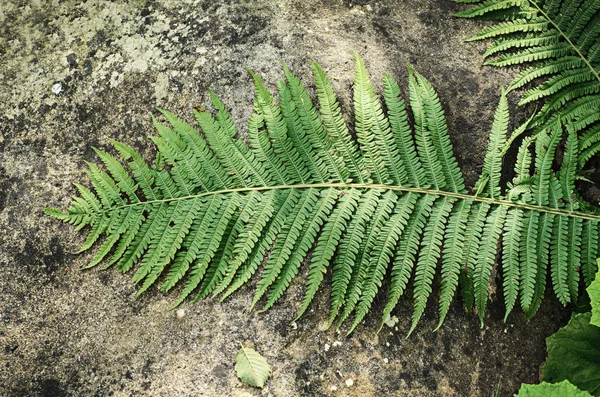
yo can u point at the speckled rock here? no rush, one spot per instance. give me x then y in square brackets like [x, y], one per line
[76, 74]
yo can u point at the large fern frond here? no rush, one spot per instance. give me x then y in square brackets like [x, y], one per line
[558, 44]
[304, 192]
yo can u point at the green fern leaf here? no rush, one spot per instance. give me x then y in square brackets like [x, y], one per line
[513, 228]
[380, 216]
[488, 248]
[350, 245]
[429, 255]
[213, 211]
[309, 232]
[452, 254]
[489, 179]
[408, 247]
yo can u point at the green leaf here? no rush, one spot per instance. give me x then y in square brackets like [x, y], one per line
[544, 389]
[574, 354]
[252, 368]
[594, 292]
[307, 195]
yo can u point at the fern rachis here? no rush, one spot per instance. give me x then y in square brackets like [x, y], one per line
[207, 215]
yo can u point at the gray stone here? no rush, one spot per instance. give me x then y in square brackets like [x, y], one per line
[65, 332]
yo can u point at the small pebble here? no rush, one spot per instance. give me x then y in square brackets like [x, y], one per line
[180, 313]
[57, 88]
[333, 388]
[349, 382]
[337, 343]
[326, 347]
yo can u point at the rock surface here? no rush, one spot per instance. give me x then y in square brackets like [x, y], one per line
[77, 74]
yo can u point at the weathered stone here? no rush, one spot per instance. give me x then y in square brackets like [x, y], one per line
[64, 332]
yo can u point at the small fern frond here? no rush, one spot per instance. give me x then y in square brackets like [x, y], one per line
[213, 212]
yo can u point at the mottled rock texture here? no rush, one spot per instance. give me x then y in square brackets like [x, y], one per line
[65, 332]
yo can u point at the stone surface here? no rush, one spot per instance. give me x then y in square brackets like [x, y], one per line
[77, 74]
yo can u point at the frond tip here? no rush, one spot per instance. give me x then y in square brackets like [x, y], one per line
[304, 192]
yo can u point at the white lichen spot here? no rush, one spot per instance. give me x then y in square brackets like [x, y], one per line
[337, 343]
[326, 347]
[161, 86]
[115, 79]
[391, 321]
[349, 382]
[323, 326]
[180, 313]
[385, 360]
[57, 88]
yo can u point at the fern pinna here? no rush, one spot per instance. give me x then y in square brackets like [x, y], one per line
[558, 43]
[212, 212]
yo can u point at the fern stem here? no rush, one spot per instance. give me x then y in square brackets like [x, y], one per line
[455, 195]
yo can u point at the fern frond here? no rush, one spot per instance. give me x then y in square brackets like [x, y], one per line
[285, 200]
[211, 208]
[489, 6]
[402, 133]
[438, 130]
[374, 270]
[425, 145]
[559, 42]
[589, 249]
[475, 223]
[293, 169]
[544, 236]
[248, 239]
[314, 130]
[298, 136]
[216, 271]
